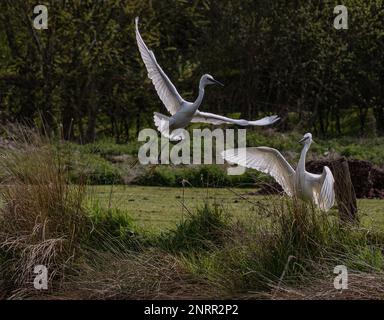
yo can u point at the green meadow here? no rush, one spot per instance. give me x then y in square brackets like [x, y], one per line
[161, 208]
[115, 241]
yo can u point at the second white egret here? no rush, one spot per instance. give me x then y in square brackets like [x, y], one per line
[316, 188]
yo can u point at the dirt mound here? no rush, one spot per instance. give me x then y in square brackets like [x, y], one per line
[367, 180]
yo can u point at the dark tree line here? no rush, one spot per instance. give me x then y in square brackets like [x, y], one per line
[84, 72]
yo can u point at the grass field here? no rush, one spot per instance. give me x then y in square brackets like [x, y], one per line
[160, 208]
[139, 242]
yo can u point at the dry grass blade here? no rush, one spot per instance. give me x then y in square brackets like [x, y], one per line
[151, 274]
[41, 217]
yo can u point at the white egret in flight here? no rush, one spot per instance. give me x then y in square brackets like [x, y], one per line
[316, 188]
[183, 112]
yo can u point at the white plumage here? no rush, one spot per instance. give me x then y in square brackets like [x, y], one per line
[206, 117]
[317, 188]
[183, 112]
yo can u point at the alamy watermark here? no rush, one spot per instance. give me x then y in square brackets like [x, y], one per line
[40, 281]
[157, 150]
[341, 280]
[41, 20]
[341, 20]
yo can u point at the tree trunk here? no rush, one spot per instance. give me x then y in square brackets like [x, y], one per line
[91, 110]
[362, 116]
[126, 130]
[91, 128]
[344, 191]
[67, 121]
[81, 129]
[337, 117]
[379, 116]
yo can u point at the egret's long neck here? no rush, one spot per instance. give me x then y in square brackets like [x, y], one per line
[303, 155]
[200, 97]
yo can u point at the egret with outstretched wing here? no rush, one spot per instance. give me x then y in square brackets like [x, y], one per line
[317, 188]
[183, 112]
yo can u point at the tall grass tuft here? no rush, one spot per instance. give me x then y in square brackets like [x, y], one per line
[42, 220]
[122, 274]
[201, 230]
[294, 247]
[115, 228]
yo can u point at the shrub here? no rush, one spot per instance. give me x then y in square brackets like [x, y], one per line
[289, 250]
[200, 231]
[42, 220]
[114, 227]
[86, 167]
[95, 170]
[197, 176]
[108, 148]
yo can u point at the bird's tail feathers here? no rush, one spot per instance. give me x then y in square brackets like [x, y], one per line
[327, 193]
[162, 124]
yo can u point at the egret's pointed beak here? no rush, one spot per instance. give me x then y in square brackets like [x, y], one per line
[302, 140]
[217, 82]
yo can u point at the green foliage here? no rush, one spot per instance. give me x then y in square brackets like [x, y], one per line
[116, 228]
[197, 176]
[83, 163]
[112, 223]
[98, 163]
[290, 249]
[108, 148]
[370, 149]
[96, 170]
[85, 73]
[201, 230]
